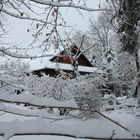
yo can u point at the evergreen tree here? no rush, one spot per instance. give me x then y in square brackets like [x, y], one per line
[129, 17]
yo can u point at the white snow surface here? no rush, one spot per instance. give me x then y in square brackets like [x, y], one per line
[90, 128]
[42, 63]
[41, 101]
[98, 128]
[11, 124]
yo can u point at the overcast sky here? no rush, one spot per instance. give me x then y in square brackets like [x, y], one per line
[17, 29]
[81, 22]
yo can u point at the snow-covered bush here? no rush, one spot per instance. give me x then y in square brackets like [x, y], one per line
[12, 76]
[86, 92]
[84, 89]
[127, 74]
[110, 99]
[15, 68]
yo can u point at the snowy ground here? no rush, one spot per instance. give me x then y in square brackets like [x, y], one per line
[100, 128]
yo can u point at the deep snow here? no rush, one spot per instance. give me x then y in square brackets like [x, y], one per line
[96, 127]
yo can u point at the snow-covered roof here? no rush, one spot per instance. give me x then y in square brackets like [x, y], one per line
[42, 63]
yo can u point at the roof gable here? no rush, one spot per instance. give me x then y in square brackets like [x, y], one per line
[61, 61]
[64, 57]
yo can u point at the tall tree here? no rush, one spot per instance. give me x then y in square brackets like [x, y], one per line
[129, 17]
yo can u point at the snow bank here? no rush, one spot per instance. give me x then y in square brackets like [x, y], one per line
[90, 129]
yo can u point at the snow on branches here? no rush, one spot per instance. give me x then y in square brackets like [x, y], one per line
[18, 86]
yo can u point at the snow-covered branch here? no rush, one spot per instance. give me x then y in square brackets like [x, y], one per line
[42, 127]
[70, 4]
[37, 113]
[16, 55]
[29, 18]
[38, 101]
[86, 49]
[71, 129]
[48, 104]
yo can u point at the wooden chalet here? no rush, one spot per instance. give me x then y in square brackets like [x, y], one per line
[62, 62]
[64, 57]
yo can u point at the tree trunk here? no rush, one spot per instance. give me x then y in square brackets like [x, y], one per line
[137, 90]
[128, 22]
[75, 68]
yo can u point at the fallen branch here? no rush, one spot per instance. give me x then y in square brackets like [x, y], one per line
[67, 135]
[43, 127]
[31, 113]
[42, 105]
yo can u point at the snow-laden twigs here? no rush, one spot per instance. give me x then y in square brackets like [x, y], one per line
[82, 52]
[29, 18]
[83, 89]
[15, 55]
[31, 113]
[70, 4]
